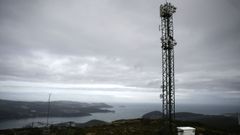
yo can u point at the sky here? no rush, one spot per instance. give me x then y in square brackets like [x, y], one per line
[110, 50]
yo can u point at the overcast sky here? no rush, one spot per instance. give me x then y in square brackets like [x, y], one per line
[110, 50]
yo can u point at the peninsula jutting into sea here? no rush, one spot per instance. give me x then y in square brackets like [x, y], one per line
[58, 109]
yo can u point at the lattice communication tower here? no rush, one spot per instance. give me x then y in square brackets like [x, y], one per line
[168, 82]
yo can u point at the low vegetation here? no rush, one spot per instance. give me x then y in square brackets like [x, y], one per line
[124, 127]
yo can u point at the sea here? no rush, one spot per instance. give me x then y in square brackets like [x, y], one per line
[123, 111]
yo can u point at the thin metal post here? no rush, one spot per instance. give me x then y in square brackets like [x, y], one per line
[49, 100]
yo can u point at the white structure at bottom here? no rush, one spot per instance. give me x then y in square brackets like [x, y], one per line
[186, 130]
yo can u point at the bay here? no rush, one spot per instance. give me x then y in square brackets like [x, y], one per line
[123, 111]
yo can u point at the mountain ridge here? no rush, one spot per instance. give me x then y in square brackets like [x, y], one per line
[21, 109]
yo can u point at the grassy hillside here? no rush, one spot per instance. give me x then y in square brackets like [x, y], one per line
[123, 127]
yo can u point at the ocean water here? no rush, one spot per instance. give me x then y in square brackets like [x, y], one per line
[123, 111]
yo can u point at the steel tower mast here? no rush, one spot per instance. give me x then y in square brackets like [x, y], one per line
[168, 82]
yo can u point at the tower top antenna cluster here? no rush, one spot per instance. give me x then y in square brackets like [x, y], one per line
[167, 10]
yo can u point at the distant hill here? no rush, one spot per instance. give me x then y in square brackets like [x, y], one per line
[189, 116]
[213, 121]
[178, 115]
[92, 123]
[86, 124]
[21, 109]
[153, 115]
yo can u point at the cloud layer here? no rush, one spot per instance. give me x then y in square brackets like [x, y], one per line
[116, 43]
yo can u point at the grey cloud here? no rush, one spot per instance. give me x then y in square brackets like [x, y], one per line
[118, 42]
